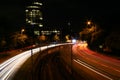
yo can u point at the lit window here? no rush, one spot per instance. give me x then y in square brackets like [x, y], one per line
[40, 25]
[26, 10]
[38, 3]
[41, 18]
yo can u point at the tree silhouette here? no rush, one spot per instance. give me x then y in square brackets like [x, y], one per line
[18, 39]
[42, 38]
[56, 38]
[113, 41]
[90, 34]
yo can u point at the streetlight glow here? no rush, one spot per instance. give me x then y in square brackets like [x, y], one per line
[22, 30]
[89, 22]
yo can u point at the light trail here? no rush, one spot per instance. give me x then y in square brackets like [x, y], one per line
[91, 68]
[103, 65]
[9, 67]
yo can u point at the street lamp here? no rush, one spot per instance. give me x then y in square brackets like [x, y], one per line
[22, 30]
[88, 22]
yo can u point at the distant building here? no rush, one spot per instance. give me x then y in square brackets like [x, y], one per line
[34, 18]
[34, 21]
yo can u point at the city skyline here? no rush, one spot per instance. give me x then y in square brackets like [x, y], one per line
[58, 13]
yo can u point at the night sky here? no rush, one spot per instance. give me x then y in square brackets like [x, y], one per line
[58, 13]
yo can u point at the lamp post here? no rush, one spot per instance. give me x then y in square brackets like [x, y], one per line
[22, 30]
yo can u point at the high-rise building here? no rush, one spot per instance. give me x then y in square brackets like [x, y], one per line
[34, 21]
[34, 18]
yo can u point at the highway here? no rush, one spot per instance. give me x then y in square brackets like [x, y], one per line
[94, 66]
[85, 64]
[10, 67]
[80, 64]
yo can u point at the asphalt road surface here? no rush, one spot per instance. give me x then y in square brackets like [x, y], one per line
[94, 66]
[75, 63]
[12, 65]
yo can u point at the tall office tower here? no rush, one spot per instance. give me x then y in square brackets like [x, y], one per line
[34, 18]
[34, 21]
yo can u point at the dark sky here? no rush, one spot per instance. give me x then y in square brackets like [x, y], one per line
[60, 12]
[104, 13]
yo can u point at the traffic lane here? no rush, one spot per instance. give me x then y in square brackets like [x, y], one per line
[87, 73]
[105, 63]
[104, 66]
[96, 62]
[111, 59]
[9, 67]
[108, 63]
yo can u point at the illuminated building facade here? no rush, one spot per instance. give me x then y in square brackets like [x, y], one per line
[34, 20]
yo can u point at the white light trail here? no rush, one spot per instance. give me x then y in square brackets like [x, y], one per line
[88, 67]
[9, 67]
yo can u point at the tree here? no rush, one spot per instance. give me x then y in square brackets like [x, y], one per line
[67, 38]
[18, 39]
[112, 42]
[56, 38]
[90, 33]
[96, 34]
[42, 38]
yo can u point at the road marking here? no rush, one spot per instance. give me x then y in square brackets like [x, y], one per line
[84, 64]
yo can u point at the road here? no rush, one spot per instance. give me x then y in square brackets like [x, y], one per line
[80, 64]
[85, 65]
[94, 66]
[12, 65]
